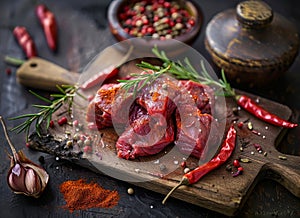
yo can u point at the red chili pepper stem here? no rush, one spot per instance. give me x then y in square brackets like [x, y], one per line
[249, 105]
[195, 175]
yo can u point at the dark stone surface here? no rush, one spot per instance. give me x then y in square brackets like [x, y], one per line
[83, 32]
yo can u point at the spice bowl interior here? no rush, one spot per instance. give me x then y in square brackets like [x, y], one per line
[154, 22]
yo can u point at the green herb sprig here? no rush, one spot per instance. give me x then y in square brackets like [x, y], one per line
[181, 71]
[139, 81]
[66, 95]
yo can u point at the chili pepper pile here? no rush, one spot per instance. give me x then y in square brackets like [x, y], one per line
[48, 22]
[159, 19]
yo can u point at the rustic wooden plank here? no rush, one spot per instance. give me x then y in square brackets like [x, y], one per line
[217, 191]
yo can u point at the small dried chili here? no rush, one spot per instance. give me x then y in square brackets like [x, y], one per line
[193, 176]
[100, 77]
[25, 41]
[48, 22]
[249, 105]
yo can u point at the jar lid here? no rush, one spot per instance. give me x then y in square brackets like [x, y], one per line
[254, 14]
[252, 39]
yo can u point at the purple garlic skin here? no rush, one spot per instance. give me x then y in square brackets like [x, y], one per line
[25, 177]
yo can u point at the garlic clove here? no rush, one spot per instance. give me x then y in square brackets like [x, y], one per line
[24, 176]
[16, 177]
[32, 182]
[33, 179]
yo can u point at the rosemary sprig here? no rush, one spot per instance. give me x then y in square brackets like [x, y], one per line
[139, 81]
[183, 71]
[66, 95]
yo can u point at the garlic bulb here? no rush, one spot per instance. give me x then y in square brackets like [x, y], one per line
[24, 176]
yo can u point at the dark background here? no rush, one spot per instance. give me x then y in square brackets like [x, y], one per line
[83, 32]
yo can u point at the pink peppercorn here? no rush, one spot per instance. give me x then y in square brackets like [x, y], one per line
[87, 149]
[183, 164]
[75, 123]
[236, 163]
[172, 10]
[240, 124]
[167, 4]
[191, 22]
[155, 18]
[62, 121]
[51, 124]
[146, 22]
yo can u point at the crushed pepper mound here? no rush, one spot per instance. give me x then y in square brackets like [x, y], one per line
[80, 195]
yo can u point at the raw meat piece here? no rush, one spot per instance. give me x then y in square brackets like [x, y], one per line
[151, 127]
[137, 141]
[202, 95]
[193, 131]
[158, 98]
[194, 122]
[100, 108]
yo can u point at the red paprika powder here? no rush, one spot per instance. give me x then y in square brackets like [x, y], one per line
[80, 195]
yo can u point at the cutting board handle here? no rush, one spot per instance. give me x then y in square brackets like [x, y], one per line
[42, 74]
[285, 172]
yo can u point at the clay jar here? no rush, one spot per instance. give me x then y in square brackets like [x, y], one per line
[253, 45]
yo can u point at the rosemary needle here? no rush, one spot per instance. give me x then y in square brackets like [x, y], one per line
[45, 111]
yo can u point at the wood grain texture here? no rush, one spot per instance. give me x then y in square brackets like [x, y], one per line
[217, 191]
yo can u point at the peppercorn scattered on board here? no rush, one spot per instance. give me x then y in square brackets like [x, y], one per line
[218, 190]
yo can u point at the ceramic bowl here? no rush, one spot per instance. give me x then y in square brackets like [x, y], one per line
[118, 31]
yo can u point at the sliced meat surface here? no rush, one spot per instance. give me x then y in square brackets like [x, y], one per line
[144, 138]
[151, 127]
[158, 98]
[100, 108]
[193, 131]
[202, 95]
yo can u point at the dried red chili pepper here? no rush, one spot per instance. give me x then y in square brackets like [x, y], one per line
[48, 22]
[193, 176]
[100, 77]
[25, 41]
[249, 105]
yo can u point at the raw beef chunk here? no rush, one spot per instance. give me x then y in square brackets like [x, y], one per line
[100, 109]
[202, 95]
[151, 127]
[193, 131]
[141, 140]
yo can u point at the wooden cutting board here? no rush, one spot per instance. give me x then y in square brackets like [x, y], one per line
[218, 191]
